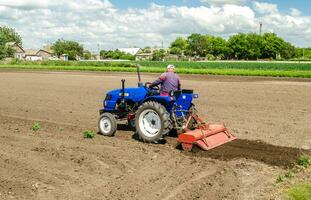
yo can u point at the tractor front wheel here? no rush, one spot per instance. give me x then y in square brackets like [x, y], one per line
[152, 122]
[107, 124]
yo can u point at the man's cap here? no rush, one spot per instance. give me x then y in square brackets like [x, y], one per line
[170, 66]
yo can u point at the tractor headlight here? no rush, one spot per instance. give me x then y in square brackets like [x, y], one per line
[105, 103]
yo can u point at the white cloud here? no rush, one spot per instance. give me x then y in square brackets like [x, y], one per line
[223, 2]
[93, 22]
[265, 8]
[295, 12]
[26, 4]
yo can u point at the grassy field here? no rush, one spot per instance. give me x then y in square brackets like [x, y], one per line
[274, 69]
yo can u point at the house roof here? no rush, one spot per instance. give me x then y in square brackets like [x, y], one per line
[44, 50]
[15, 46]
[132, 51]
[31, 52]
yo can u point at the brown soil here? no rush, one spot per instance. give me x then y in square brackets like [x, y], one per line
[58, 163]
[285, 157]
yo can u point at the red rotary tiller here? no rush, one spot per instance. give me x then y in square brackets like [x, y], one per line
[206, 136]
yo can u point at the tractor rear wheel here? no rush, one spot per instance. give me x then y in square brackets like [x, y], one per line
[152, 121]
[107, 124]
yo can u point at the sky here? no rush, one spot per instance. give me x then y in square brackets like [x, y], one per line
[111, 24]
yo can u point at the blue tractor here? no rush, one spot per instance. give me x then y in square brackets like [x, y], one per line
[153, 116]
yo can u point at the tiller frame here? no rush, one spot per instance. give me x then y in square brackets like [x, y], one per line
[206, 136]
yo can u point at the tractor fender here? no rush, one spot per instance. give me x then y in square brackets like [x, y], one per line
[164, 100]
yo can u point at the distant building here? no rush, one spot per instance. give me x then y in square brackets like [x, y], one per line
[144, 56]
[132, 51]
[64, 57]
[31, 55]
[147, 55]
[44, 54]
[19, 52]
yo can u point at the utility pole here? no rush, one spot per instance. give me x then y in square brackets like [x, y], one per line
[260, 28]
[98, 50]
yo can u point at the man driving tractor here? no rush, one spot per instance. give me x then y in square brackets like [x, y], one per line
[169, 81]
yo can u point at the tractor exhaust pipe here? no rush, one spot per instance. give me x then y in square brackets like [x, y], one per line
[140, 84]
[123, 89]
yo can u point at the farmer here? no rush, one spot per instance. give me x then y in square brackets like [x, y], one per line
[169, 81]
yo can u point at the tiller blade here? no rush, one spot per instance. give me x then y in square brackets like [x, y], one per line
[207, 136]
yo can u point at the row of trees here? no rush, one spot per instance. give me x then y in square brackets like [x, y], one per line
[248, 46]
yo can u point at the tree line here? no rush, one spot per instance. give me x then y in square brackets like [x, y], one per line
[242, 46]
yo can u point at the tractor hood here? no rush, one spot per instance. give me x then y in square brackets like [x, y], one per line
[131, 94]
[135, 94]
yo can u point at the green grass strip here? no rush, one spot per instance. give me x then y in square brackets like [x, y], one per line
[300, 192]
[232, 72]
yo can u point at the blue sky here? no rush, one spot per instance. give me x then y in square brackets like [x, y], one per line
[284, 5]
[114, 23]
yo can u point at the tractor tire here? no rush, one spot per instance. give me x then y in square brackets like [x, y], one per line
[107, 124]
[152, 122]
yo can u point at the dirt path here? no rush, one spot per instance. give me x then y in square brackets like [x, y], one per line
[57, 163]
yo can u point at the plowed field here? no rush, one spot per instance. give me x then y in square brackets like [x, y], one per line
[270, 116]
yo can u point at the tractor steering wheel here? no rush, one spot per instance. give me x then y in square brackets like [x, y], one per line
[147, 84]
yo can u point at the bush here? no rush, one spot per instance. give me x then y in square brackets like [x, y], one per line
[35, 127]
[280, 179]
[89, 134]
[304, 160]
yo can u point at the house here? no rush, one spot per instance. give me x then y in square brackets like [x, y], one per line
[46, 55]
[64, 57]
[19, 52]
[31, 55]
[132, 51]
[144, 56]
[147, 55]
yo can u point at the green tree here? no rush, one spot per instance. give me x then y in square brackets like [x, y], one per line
[158, 55]
[246, 46]
[274, 46]
[254, 46]
[288, 50]
[217, 47]
[87, 55]
[146, 50]
[8, 35]
[116, 55]
[238, 46]
[178, 46]
[71, 48]
[176, 51]
[197, 45]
